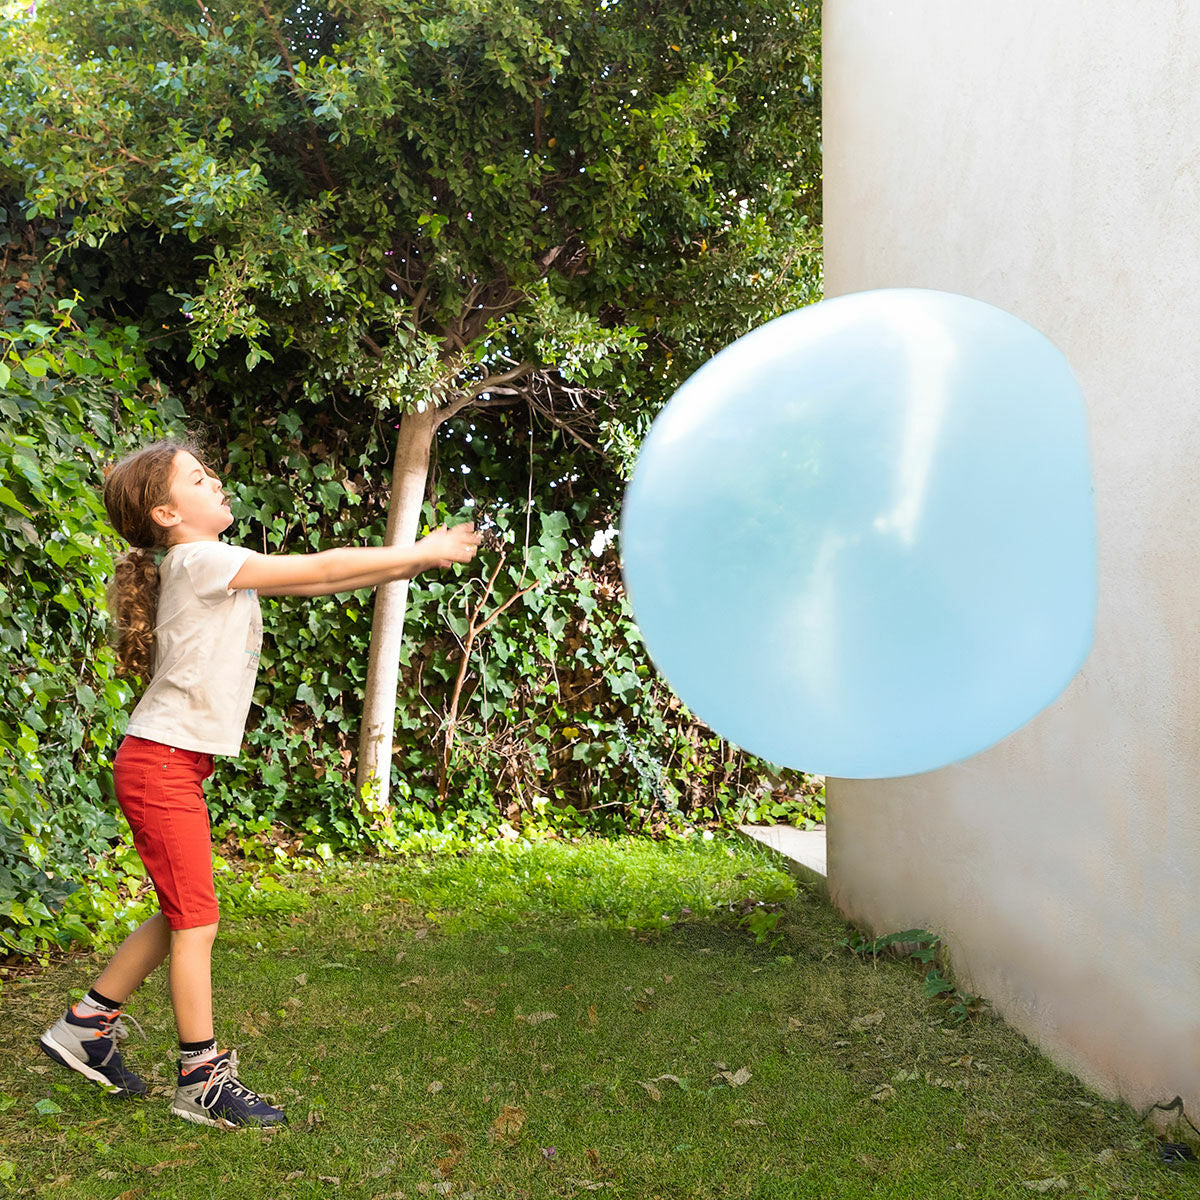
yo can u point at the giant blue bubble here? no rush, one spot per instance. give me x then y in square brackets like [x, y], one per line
[860, 541]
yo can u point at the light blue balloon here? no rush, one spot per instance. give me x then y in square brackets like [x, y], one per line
[860, 541]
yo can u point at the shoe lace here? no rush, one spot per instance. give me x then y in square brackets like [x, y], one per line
[224, 1075]
[113, 1027]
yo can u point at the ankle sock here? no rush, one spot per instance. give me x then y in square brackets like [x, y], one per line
[192, 1054]
[94, 1003]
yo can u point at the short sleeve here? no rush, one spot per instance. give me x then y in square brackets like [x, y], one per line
[210, 566]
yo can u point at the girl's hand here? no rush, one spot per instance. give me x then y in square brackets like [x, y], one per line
[450, 545]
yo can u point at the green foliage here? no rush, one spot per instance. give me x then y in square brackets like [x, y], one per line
[72, 396]
[398, 201]
[563, 722]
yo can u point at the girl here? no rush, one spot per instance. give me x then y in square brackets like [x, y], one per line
[195, 621]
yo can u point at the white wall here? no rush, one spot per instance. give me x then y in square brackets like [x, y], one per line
[1046, 158]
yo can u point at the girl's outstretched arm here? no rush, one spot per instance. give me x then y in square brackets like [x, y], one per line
[350, 567]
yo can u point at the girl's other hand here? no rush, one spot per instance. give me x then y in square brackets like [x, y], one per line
[456, 544]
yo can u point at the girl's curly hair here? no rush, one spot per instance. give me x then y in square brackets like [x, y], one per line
[132, 487]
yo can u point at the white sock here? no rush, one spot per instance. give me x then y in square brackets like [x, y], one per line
[193, 1058]
[90, 1007]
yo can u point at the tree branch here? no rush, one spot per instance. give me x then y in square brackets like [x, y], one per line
[491, 383]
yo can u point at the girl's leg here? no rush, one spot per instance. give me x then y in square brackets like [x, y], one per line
[191, 981]
[136, 957]
[87, 1036]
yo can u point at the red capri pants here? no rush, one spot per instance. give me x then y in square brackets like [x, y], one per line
[160, 791]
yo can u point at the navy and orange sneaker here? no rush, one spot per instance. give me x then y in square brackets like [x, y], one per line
[210, 1093]
[89, 1045]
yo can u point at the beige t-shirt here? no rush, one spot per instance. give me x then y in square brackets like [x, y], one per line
[206, 645]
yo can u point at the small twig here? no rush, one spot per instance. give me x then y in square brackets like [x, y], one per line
[474, 628]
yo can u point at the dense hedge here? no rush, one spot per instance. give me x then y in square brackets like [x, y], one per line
[561, 718]
[71, 398]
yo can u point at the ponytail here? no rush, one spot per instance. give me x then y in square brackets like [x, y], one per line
[133, 601]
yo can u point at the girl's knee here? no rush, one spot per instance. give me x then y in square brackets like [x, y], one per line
[196, 937]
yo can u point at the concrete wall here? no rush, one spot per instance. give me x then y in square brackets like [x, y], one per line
[1046, 158]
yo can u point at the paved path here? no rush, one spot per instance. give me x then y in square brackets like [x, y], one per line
[804, 850]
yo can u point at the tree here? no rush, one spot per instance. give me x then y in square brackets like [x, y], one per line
[422, 207]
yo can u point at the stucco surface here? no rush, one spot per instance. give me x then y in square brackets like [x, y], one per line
[1046, 159]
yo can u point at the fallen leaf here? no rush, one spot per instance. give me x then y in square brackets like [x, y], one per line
[1044, 1185]
[651, 1090]
[507, 1126]
[302, 980]
[334, 1179]
[859, 1024]
[435, 1087]
[591, 1014]
[537, 1018]
[292, 1176]
[745, 1122]
[593, 1158]
[159, 1168]
[738, 1077]
[589, 1185]
[886, 1092]
[457, 1148]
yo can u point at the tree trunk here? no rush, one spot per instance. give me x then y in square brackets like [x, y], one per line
[409, 478]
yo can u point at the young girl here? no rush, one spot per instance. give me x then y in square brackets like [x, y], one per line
[195, 621]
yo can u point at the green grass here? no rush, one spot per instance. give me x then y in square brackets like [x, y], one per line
[397, 1009]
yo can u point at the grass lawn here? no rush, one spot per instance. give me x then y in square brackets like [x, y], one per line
[567, 1020]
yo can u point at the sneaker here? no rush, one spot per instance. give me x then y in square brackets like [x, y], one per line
[89, 1045]
[211, 1094]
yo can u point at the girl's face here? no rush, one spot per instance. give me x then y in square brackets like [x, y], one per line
[198, 511]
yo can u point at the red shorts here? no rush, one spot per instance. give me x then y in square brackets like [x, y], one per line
[160, 791]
